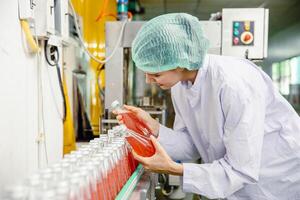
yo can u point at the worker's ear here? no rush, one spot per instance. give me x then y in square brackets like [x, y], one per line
[147, 78]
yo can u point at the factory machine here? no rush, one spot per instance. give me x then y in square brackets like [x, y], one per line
[234, 32]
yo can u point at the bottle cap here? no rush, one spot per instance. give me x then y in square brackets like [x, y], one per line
[115, 104]
[110, 133]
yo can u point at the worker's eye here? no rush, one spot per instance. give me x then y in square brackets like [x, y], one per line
[153, 75]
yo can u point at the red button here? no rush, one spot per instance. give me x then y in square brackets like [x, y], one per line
[247, 37]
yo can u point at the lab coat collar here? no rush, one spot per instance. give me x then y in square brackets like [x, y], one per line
[201, 73]
[193, 90]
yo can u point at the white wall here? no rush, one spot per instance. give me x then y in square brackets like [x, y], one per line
[18, 103]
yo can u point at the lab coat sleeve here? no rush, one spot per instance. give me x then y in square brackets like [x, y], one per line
[178, 144]
[177, 141]
[244, 112]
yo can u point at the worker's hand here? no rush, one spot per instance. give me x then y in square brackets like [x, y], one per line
[160, 162]
[143, 116]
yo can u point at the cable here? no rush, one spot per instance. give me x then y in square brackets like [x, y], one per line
[100, 67]
[53, 61]
[53, 50]
[53, 96]
[41, 137]
[82, 41]
[166, 193]
[32, 43]
[102, 14]
[102, 11]
[62, 92]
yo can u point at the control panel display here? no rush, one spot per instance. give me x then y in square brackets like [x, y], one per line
[243, 33]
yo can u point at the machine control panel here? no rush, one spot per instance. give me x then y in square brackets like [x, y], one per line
[243, 33]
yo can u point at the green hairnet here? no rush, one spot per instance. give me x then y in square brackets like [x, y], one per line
[169, 41]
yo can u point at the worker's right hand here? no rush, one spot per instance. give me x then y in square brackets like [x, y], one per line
[143, 116]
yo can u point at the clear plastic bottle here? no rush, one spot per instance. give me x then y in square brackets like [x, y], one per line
[19, 192]
[127, 166]
[138, 133]
[103, 169]
[63, 190]
[111, 175]
[77, 189]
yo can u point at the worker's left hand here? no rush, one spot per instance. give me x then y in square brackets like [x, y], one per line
[160, 162]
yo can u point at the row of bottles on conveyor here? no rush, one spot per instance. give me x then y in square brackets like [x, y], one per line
[95, 171]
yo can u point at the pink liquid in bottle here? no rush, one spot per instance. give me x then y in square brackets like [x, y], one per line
[113, 185]
[121, 174]
[141, 145]
[139, 134]
[93, 192]
[140, 142]
[126, 168]
[100, 190]
[107, 187]
[116, 179]
[131, 163]
[134, 124]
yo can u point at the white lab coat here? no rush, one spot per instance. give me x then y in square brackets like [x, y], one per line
[246, 133]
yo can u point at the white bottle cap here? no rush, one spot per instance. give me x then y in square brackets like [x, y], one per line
[123, 127]
[115, 104]
[110, 133]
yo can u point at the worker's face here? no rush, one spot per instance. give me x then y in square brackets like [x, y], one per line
[165, 80]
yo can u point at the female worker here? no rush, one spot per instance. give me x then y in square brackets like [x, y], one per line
[227, 112]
